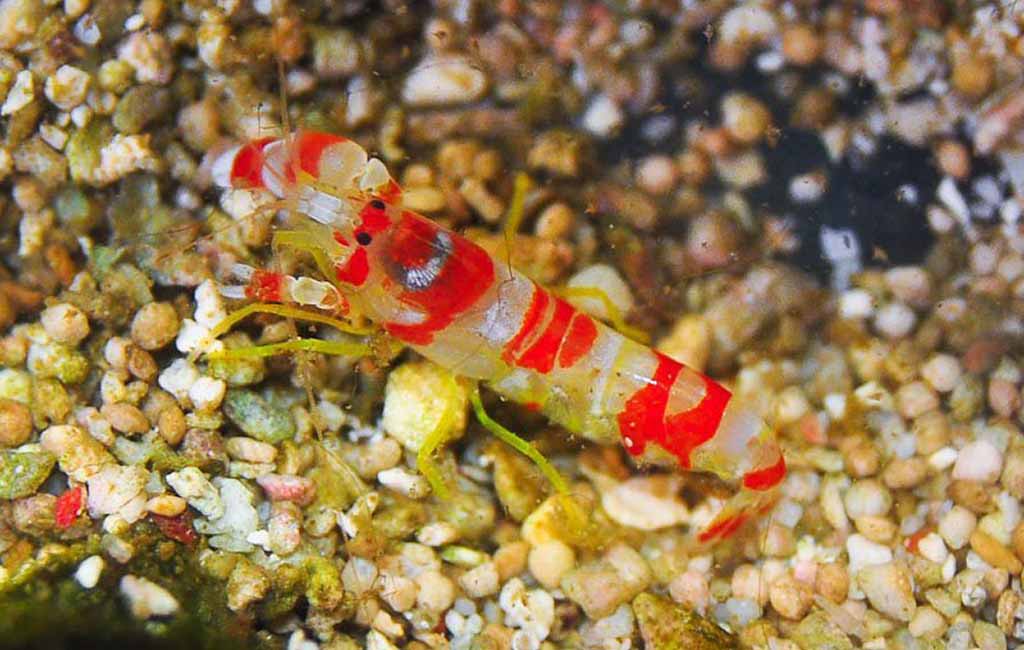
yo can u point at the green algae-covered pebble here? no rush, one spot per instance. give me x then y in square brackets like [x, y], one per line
[83, 149]
[254, 416]
[238, 372]
[324, 589]
[22, 472]
[16, 385]
[140, 106]
[57, 361]
[75, 210]
[665, 625]
[817, 632]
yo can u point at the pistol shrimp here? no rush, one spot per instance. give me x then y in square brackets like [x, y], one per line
[449, 300]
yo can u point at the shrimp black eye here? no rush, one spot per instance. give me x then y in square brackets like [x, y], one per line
[377, 204]
[363, 238]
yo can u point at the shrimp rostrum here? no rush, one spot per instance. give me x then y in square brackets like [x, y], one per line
[449, 300]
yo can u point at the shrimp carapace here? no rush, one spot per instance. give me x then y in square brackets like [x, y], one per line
[448, 299]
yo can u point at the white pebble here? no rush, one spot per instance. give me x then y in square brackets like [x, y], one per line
[656, 174]
[895, 320]
[603, 117]
[20, 95]
[401, 480]
[863, 552]
[978, 461]
[867, 498]
[911, 284]
[956, 526]
[88, 572]
[807, 188]
[942, 371]
[856, 304]
[943, 458]
[931, 547]
[444, 82]
[178, 378]
[207, 393]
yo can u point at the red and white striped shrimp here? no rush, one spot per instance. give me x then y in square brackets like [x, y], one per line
[448, 299]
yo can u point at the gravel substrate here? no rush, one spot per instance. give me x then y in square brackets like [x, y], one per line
[817, 205]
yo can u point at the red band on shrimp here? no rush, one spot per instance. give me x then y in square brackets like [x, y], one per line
[540, 356]
[643, 419]
[538, 305]
[767, 478]
[442, 274]
[265, 286]
[247, 167]
[356, 269]
[578, 340]
[724, 528]
[307, 148]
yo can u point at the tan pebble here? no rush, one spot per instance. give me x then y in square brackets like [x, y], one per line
[480, 581]
[1017, 541]
[166, 505]
[155, 325]
[172, 425]
[801, 44]
[555, 222]
[779, 541]
[689, 342]
[141, 364]
[878, 529]
[745, 117]
[488, 165]
[916, 399]
[954, 159]
[862, 460]
[927, 624]
[1003, 397]
[1006, 611]
[972, 495]
[15, 423]
[65, 323]
[511, 559]
[889, 589]
[250, 450]
[550, 561]
[748, 582]
[904, 473]
[932, 432]
[972, 75]
[789, 597]
[481, 199]
[994, 552]
[417, 175]
[691, 589]
[436, 592]
[694, 166]
[832, 581]
[125, 418]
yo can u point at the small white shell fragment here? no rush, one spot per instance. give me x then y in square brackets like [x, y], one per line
[88, 572]
[401, 480]
[147, 599]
